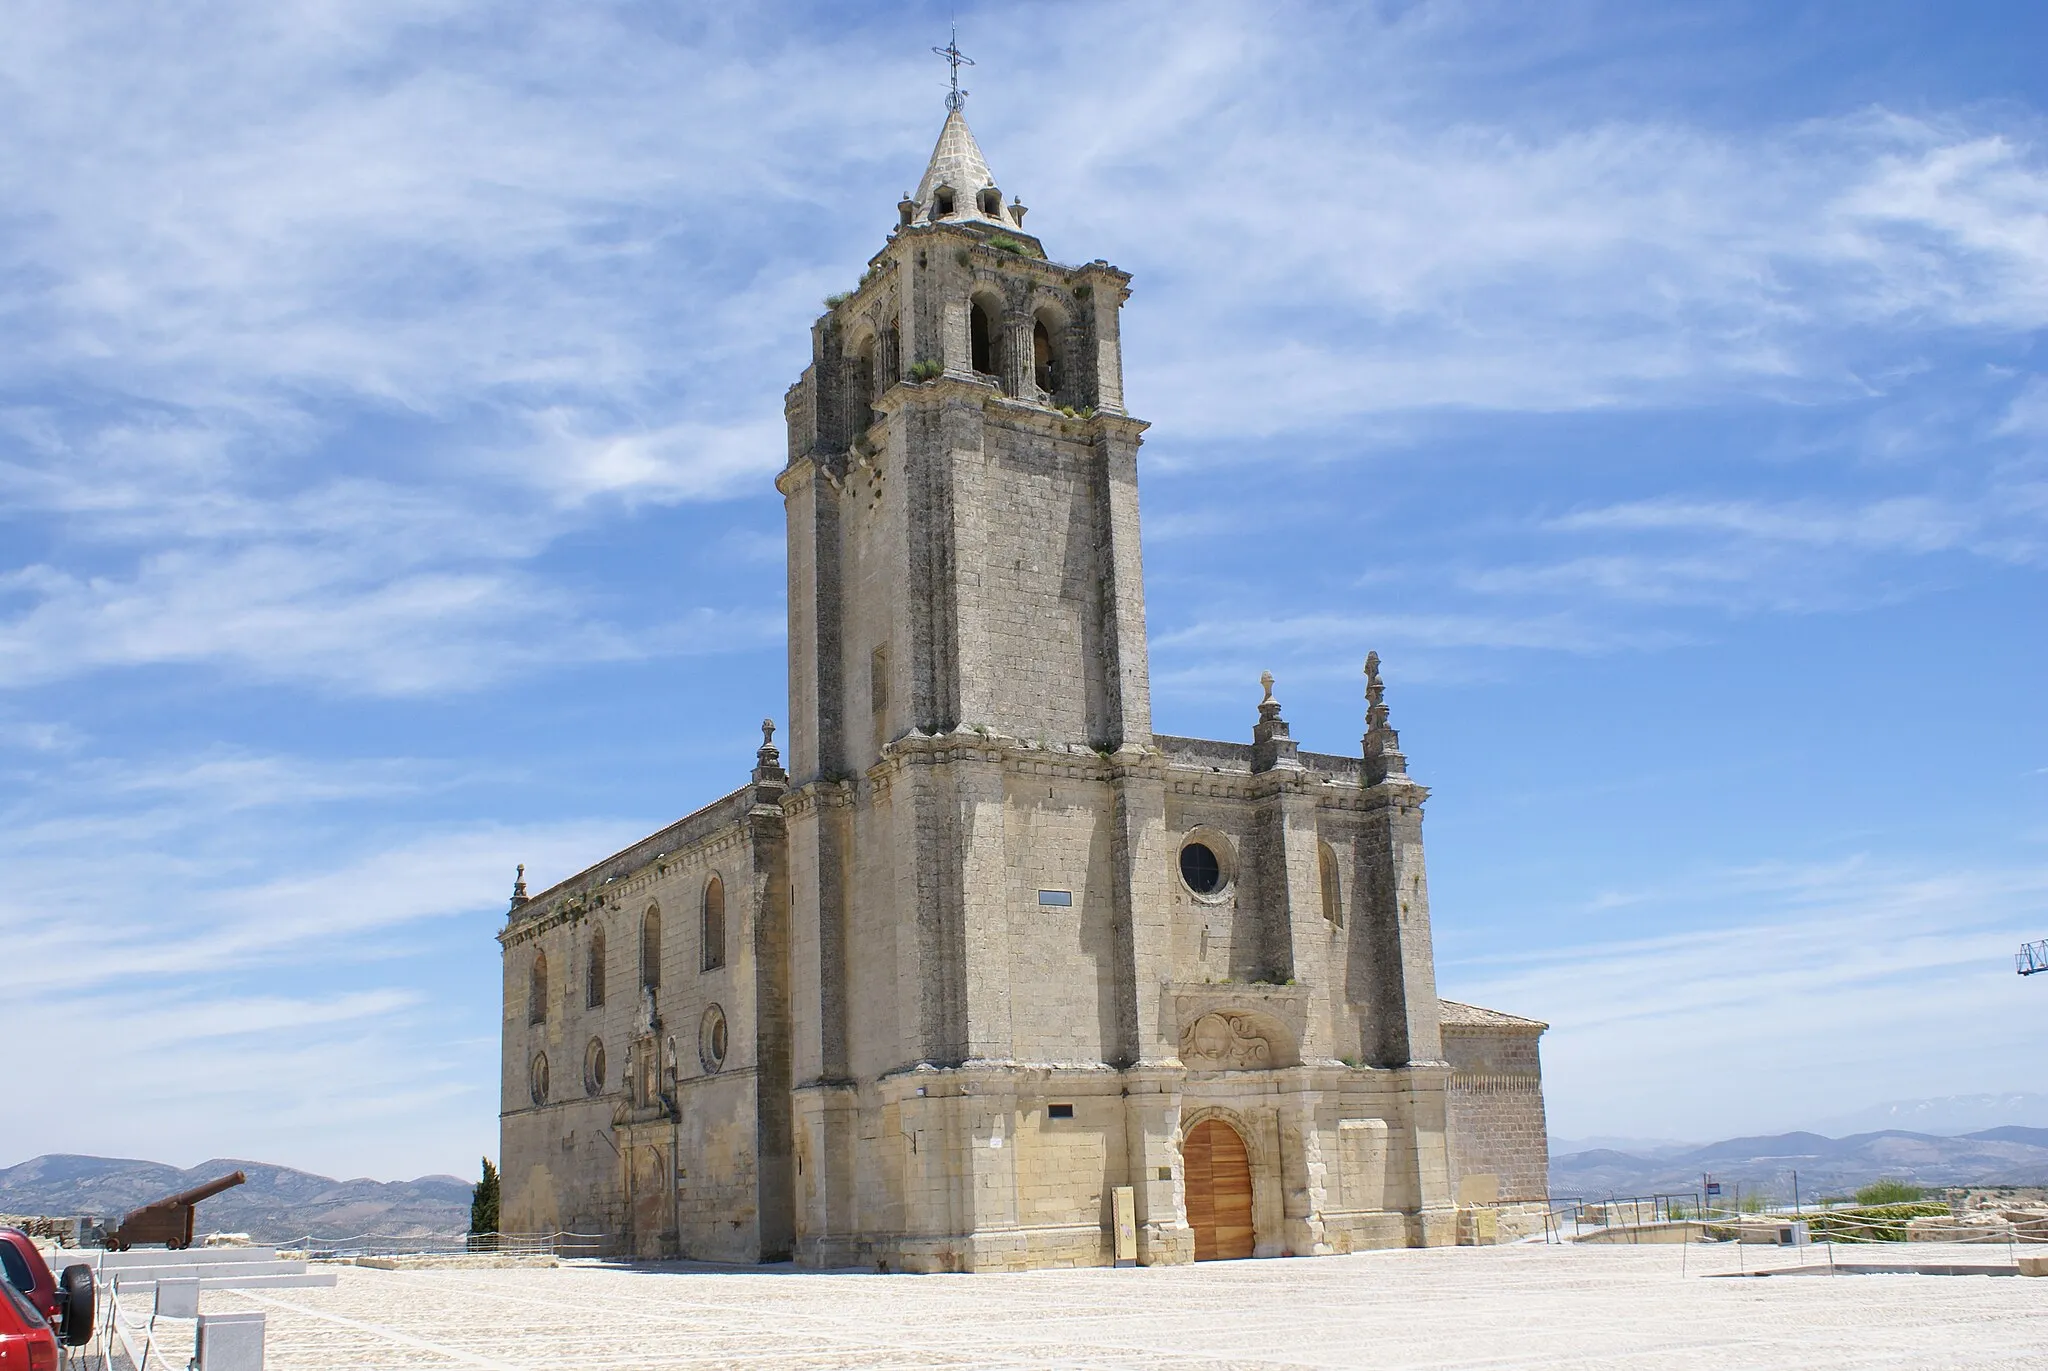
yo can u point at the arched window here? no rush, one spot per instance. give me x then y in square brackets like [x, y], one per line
[714, 924]
[650, 947]
[1045, 359]
[537, 990]
[982, 340]
[991, 201]
[593, 973]
[863, 396]
[942, 203]
[1333, 892]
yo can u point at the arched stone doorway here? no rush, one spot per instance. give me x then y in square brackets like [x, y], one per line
[1218, 1174]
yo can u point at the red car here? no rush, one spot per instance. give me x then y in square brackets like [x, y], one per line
[26, 1342]
[63, 1306]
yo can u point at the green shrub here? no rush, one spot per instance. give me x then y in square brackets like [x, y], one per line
[1869, 1223]
[834, 301]
[927, 370]
[1003, 242]
[1889, 1192]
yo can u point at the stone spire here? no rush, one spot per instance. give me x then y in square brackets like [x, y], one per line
[1272, 745]
[519, 887]
[770, 780]
[1382, 744]
[958, 186]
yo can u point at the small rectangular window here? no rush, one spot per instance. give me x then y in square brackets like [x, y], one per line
[1056, 897]
[1059, 1111]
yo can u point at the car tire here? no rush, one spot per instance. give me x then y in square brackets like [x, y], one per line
[75, 1297]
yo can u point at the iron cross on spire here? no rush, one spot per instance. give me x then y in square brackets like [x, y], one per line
[955, 59]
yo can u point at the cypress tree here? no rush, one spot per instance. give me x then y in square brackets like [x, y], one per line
[483, 1205]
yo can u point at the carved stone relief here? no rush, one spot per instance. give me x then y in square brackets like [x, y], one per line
[1226, 1041]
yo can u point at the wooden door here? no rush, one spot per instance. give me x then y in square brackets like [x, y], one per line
[1219, 1186]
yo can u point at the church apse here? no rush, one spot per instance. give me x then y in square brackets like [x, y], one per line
[990, 948]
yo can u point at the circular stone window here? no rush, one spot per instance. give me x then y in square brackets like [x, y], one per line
[1200, 868]
[593, 1067]
[537, 1078]
[711, 1039]
[1207, 863]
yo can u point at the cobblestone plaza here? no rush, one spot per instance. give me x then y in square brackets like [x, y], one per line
[1519, 1306]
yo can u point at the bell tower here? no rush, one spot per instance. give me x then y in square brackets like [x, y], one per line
[962, 491]
[965, 595]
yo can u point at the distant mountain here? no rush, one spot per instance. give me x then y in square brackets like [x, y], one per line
[2009, 1155]
[1638, 1147]
[2013, 1133]
[276, 1205]
[1945, 1117]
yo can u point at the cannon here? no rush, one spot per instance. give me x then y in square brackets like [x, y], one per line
[168, 1220]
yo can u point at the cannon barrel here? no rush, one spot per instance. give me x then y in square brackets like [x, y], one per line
[200, 1192]
[168, 1220]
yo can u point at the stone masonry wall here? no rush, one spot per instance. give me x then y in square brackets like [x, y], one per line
[559, 1169]
[1495, 1109]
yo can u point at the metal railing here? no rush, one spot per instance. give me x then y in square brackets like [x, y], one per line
[558, 1243]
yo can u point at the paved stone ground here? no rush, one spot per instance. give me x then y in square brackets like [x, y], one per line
[1521, 1306]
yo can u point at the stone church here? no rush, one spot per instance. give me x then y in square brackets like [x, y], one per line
[992, 975]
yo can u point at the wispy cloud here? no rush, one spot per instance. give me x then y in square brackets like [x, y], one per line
[1908, 524]
[271, 947]
[1766, 996]
[243, 258]
[1473, 266]
[210, 913]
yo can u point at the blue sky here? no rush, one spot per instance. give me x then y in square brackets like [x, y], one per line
[391, 393]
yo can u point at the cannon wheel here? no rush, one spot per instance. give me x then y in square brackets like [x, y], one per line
[75, 1298]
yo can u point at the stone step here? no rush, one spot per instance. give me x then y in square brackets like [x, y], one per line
[131, 1275]
[102, 1260]
[263, 1280]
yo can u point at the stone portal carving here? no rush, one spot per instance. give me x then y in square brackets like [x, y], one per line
[1226, 1041]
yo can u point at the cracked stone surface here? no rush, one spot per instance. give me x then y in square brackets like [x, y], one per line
[1519, 1306]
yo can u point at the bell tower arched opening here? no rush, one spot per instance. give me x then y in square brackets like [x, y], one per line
[1046, 365]
[862, 385]
[983, 351]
